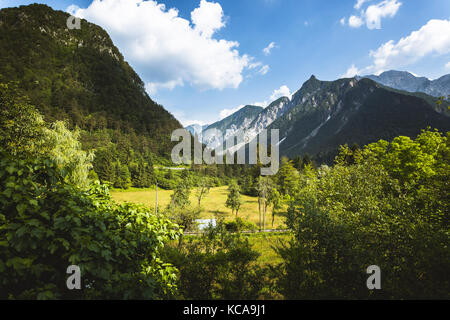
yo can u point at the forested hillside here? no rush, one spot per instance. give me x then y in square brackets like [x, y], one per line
[81, 77]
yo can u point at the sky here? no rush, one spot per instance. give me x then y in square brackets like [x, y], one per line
[203, 60]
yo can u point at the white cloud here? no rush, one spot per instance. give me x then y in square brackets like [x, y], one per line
[373, 14]
[432, 39]
[355, 22]
[261, 69]
[168, 50]
[264, 69]
[269, 48]
[359, 3]
[153, 87]
[351, 72]
[447, 65]
[227, 112]
[208, 18]
[283, 91]
[181, 117]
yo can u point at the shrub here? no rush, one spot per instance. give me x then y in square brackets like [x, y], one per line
[48, 224]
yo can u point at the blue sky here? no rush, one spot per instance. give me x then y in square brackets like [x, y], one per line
[203, 59]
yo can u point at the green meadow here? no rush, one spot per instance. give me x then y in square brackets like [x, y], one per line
[213, 205]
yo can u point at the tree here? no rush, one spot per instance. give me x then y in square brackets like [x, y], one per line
[104, 165]
[203, 189]
[287, 177]
[122, 176]
[179, 210]
[180, 196]
[264, 187]
[21, 124]
[234, 200]
[275, 200]
[63, 146]
[24, 134]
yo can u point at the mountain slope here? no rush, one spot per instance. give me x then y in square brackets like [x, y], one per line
[268, 115]
[196, 128]
[406, 81]
[80, 76]
[332, 113]
[231, 124]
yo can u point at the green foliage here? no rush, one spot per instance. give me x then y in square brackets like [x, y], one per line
[179, 207]
[63, 146]
[48, 224]
[286, 177]
[234, 200]
[218, 265]
[25, 134]
[388, 208]
[123, 177]
[180, 196]
[20, 123]
[238, 225]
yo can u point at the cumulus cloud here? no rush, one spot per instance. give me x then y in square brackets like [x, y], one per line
[269, 48]
[168, 50]
[208, 18]
[351, 72]
[342, 21]
[355, 22]
[283, 91]
[373, 14]
[432, 39]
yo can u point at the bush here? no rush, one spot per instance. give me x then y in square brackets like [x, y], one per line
[239, 225]
[48, 224]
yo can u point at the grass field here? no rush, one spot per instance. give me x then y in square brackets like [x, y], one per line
[264, 243]
[213, 205]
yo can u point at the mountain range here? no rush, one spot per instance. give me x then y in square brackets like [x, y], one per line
[322, 115]
[406, 81]
[326, 114]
